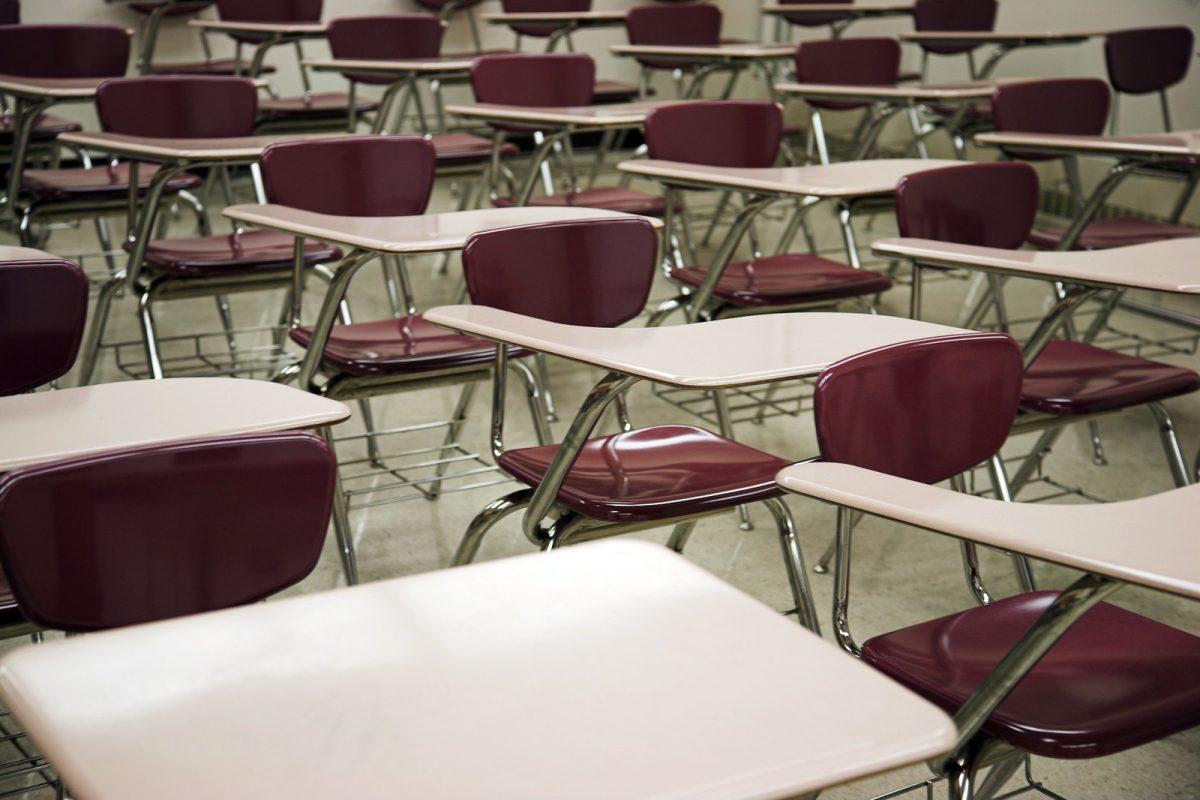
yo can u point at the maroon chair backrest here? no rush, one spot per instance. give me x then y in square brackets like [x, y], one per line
[268, 11]
[593, 272]
[858, 62]
[178, 106]
[718, 133]
[542, 6]
[355, 176]
[550, 79]
[684, 25]
[986, 204]
[64, 51]
[158, 532]
[384, 37]
[924, 410]
[1142, 60]
[813, 20]
[954, 15]
[43, 307]
[10, 12]
[1059, 105]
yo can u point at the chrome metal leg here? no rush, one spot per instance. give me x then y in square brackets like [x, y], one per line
[725, 425]
[457, 420]
[341, 523]
[846, 222]
[543, 373]
[1098, 457]
[918, 137]
[491, 514]
[793, 560]
[149, 333]
[722, 202]
[368, 417]
[95, 334]
[999, 775]
[1166, 109]
[680, 535]
[534, 391]
[822, 565]
[226, 315]
[1021, 563]
[1170, 443]
[818, 132]
[102, 235]
[1032, 461]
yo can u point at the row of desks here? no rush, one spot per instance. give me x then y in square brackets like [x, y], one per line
[443, 684]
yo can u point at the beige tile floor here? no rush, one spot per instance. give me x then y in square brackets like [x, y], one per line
[901, 575]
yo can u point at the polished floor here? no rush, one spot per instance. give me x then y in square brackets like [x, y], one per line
[901, 575]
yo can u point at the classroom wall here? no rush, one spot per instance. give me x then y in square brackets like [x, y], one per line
[1138, 114]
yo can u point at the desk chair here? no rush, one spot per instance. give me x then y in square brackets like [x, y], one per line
[1042, 673]
[873, 61]
[1074, 106]
[743, 134]
[1068, 379]
[604, 91]
[154, 14]
[195, 107]
[375, 176]
[552, 79]
[686, 24]
[54, 194]
[309, 111]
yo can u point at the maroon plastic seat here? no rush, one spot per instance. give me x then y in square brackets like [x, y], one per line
[1070, 378]
[787, 279]
[248, 251]
[47, 128]
[616, 92]
[855, 62]
[553, 79]
[107, 182]
[461, 149]
[43, 307]
[398, 346]
[1072, 106]
[322, 105]
[394, 36]
[686, 25]
[158, 532]
[611, 198]
[1105, 233]
[747, 134]
[654, 473]
[1115, 680]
